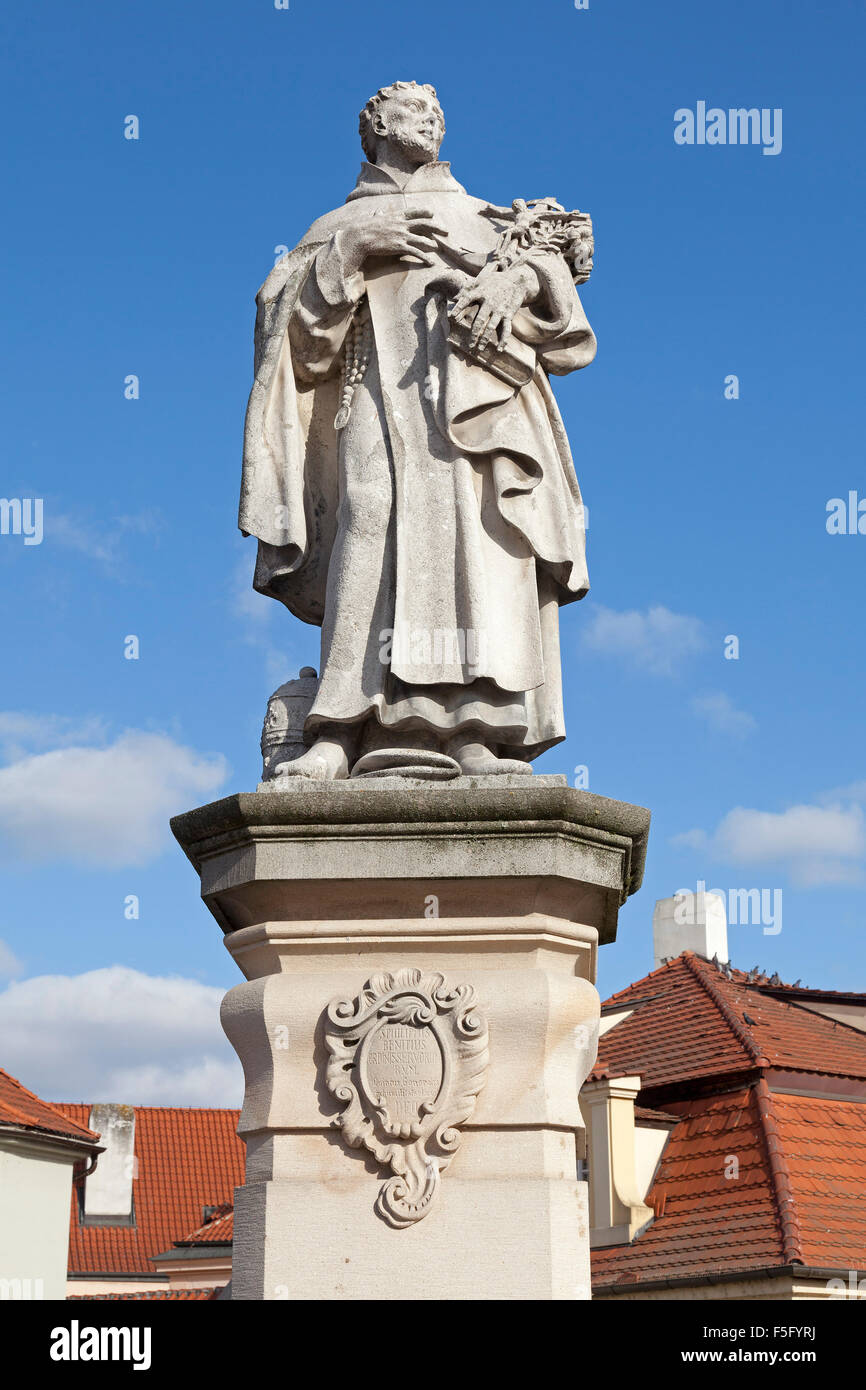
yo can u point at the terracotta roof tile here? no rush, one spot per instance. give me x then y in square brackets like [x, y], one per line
[710, 1222]
[690, 1022]
[219, 1231]
[644, 1115]
[750, 1177]
[24, 1110]
[824, 1143]
[154, 1296]
[186, 1159]
[707, 1221]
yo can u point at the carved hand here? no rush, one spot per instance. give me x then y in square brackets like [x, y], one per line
[407, 235]
[497, 297]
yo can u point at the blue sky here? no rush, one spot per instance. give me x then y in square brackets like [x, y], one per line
[707, 515]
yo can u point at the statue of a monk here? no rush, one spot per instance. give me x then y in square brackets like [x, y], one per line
[406, 469]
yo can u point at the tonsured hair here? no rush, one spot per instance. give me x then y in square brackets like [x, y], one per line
[365, 120]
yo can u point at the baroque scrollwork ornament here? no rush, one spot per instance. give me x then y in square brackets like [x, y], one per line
[408, 1057]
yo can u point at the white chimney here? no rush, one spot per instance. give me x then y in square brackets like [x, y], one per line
[108, 1189]
[690, 922]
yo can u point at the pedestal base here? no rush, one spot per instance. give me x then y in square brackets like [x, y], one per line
[420, 964]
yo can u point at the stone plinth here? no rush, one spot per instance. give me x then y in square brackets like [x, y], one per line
[418, 1017]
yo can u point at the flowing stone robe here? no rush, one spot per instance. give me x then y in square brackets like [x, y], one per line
[434, 537]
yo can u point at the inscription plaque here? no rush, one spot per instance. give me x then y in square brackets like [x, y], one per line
[408, 1057]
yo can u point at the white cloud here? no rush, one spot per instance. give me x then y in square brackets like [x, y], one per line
[817, 844]
[854, 791]
[107, 806]
[116, 1034]
[102, 542]
[722, 714]
[748, 836]
[97, 543]
[691, 839]
[21, 732]
[9, 962]
[205, 1081]
[657, 641]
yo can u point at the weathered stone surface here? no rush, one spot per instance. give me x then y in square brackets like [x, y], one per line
[406, 471]
[463, 844]
[292, 785]
[327, 891]
[407, 1057]
[417, 915]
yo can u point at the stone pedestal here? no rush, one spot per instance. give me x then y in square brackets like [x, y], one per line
[418, 1016]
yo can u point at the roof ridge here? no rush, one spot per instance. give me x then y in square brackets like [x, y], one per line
[783, 1191]
[740, 1031]
[784, 988]
[26, 1121]
[643, 979]
[169, 1109]
[26, 1089]
[815, 1013]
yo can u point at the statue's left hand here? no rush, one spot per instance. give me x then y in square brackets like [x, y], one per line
[497, 297]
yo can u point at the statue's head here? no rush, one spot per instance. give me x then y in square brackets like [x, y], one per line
[406, 116]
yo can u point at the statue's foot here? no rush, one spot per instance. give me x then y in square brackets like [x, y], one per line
[326, 761]
[476, 760]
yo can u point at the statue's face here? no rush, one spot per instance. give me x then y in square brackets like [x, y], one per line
[412, 123]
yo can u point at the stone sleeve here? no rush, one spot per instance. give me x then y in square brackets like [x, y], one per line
[317, 328]
[554, 322]
[549, 314]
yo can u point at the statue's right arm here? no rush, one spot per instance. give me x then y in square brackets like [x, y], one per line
[324, 308]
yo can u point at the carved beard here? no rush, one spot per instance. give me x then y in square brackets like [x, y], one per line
[416, 147]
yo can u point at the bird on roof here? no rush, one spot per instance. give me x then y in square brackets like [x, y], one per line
[751, 1021]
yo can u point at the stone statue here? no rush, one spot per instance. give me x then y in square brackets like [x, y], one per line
[406, 470]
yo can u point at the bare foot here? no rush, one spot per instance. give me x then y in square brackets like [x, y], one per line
[326, 761]
[476, 760]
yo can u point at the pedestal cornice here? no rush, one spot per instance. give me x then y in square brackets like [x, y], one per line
[386, 840]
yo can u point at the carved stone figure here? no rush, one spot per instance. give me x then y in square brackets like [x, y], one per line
[406, 469]
[283, 730]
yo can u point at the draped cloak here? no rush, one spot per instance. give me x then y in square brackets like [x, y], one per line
[434, 537]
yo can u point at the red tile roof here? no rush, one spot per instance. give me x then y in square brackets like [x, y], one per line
[714, 1216]
[824, 1144]
[751, 1178]
[705, 1222]
[645, 1116]
[773, 985]
[156, 1295]
[692, 1022]
[186, 1159]
[219, 1231]
[24, 1110]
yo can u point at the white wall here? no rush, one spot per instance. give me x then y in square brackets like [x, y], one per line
[648, 1145]
[35, 1190]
